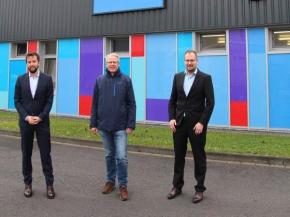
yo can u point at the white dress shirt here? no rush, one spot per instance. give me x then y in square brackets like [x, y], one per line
[33, 81]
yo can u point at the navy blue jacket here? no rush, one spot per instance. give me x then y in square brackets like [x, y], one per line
[113, 106]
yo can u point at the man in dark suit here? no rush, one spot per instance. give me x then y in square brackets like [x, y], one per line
[190, 106]
[33, 100]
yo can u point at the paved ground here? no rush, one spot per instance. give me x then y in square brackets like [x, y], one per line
[234, 190]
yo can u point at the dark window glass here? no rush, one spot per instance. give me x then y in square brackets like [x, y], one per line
[21, 49]
[281, 39]
[213, 41]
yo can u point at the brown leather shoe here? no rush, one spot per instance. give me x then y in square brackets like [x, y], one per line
[108, 188]
[123, 193]
[50, 192]
[174, 193]
[198, 196]
[27, 190]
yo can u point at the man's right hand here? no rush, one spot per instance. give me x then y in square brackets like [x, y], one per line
[32, 120]
[94, 130]
[172, 125]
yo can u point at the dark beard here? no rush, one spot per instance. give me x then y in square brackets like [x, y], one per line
[33, 69]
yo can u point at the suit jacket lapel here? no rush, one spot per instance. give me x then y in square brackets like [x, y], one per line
[196, 80]
[38, 84]
[27, 84]
[181, 82]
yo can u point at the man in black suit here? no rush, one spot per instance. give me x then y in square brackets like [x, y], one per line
[33, 100]
[190, 106]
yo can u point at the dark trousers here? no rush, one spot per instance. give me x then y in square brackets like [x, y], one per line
[180, 138]
[43, 140]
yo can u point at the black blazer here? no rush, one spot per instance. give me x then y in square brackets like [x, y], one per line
[41, 104]
[198, 104]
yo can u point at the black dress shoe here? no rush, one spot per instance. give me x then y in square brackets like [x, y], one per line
[50, 192]
[27, 190]
[174, 193]
[198, 196]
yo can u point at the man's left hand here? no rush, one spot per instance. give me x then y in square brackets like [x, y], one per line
[198, 128]
[129, 130]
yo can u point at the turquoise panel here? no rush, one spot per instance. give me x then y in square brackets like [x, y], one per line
[279, 90]
[125, 65]
[257, 73]
[3, 99]
[4, 64]
[161, 64]
[139, 85]
[68, 77]
[17, 67]
[53, 108]
[184, 42]
[217, 67]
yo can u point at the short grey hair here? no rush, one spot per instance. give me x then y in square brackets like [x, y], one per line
[190, 51]
[113, 55]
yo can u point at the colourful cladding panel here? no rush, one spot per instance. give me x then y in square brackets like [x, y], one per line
[32, 46]
[53, 108]
[238, 65]
[68, 77]
[239, 113]
[157, 110]
[217, 67]
[91, 64]
[85, 105]
[137, 46]
[161, 64]
[279, 90]
[257, 78]
[4, 75]
[125, 65]
[17, 67]
[139, 85]
[184, 42]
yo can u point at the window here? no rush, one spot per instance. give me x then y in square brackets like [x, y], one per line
[119, 45]
[280, 38]
[212, 41]
[47, 51]
[18, 49]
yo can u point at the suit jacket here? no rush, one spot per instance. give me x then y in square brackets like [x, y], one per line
[41, 104]
[198, 104]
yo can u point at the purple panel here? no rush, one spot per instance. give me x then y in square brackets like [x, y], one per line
[157, 109]
[91, 64]
[238, 65]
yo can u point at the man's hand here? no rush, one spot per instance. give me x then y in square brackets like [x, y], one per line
[129, 130]
[198, 128]
[172, 125]
[33, 120]
[95, 130]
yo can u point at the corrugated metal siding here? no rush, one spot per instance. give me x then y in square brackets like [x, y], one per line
[45, 19]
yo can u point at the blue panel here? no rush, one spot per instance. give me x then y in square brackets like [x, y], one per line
[125, 65]
[17, 67]
[68, 77]
[257, 78]
[184, 43]
[109, 6]
[3, 99]
[279, 90]
[161, 64]
[139, 84]
[217, 67]
[53, 108]
[4, 63]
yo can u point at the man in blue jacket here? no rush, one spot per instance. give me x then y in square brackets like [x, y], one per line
[113, 117]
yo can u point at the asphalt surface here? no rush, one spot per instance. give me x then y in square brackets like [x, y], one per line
[233, 190]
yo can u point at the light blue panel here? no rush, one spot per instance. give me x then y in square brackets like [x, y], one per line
[184, 43]
[4, 67]
[139, 85]
[160, 64]
[279, 90]
[3, 99]
[125, 65]
[257, 78]
[17, 67]
[217, 67]
[68, 77]
[53, 108]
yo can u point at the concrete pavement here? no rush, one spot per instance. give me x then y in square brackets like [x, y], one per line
[234, 190]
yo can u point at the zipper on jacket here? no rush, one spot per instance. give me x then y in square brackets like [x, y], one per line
[114, 91]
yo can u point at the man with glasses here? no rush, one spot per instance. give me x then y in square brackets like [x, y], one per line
[113, 117]
[190, 106]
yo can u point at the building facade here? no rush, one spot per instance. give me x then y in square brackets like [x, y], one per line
[243, 44]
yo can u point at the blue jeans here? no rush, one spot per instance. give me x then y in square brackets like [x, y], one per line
[115, 144]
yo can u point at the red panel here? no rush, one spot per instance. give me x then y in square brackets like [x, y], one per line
[32, 46]
[137, 43]
[85, 105]
[239, 114]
